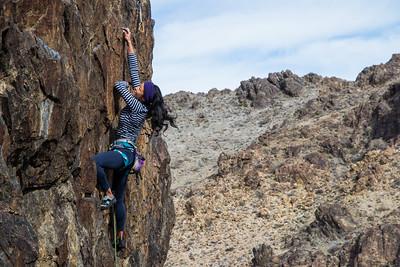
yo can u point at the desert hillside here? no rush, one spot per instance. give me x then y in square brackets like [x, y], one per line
[289, 171]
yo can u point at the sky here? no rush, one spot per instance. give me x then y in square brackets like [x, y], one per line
[205, 44]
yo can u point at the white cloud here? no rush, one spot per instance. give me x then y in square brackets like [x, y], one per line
[231, 44]
[343, 58]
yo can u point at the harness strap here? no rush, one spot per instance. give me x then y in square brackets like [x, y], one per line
[125, 142]
[124, 156]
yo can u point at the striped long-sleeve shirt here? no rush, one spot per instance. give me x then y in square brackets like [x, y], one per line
[133, 115]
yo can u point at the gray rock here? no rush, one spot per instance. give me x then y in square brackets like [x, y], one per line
[332, 221]
[385, 118]
[288, 82]
[262, 256]
[317, 159]
[18, 242]
[252, 180]
[378, 246]
[258, 91]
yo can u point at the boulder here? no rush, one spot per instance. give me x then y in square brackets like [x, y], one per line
[258, 91]
[332, 221]
[289, 83]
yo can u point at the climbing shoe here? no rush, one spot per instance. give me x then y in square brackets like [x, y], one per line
[107, 202]
[120, 243]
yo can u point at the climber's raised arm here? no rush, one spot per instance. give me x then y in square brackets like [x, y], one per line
[132, 59]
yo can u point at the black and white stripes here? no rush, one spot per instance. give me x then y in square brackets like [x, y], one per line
[134, 70]
[132, 116]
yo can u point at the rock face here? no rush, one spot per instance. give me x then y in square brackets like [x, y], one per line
[58, 63]
[315, 183]
[19, 242]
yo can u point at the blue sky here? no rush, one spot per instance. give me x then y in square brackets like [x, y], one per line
[205, 44]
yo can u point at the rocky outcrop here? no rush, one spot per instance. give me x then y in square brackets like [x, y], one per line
[260, 91]
[385, 120]
[341, 243]
[379, 74]
[58, 63]
[289, 83]
[332, 221]
[378, 246]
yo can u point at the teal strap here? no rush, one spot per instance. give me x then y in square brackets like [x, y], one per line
[125, 144]
[125, 157]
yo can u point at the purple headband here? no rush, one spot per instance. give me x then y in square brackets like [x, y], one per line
[149, 91]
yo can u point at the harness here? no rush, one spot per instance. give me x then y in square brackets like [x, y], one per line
[125, 144]
[139, 160]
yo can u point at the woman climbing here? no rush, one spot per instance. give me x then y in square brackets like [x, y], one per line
[143, 100]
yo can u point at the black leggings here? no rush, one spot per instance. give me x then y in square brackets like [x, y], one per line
[113, 160]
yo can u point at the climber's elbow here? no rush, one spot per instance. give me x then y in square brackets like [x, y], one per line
[120, 85]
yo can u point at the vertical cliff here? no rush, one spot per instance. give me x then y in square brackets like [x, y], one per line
[59, 60]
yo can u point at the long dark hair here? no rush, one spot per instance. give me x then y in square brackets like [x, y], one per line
[158, 113]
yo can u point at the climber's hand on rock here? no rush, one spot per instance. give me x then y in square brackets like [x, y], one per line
[127, 34]
[127, 37]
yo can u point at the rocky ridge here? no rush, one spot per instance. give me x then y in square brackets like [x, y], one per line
[318, 187]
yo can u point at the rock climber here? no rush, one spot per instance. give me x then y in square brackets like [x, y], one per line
[143, 100]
